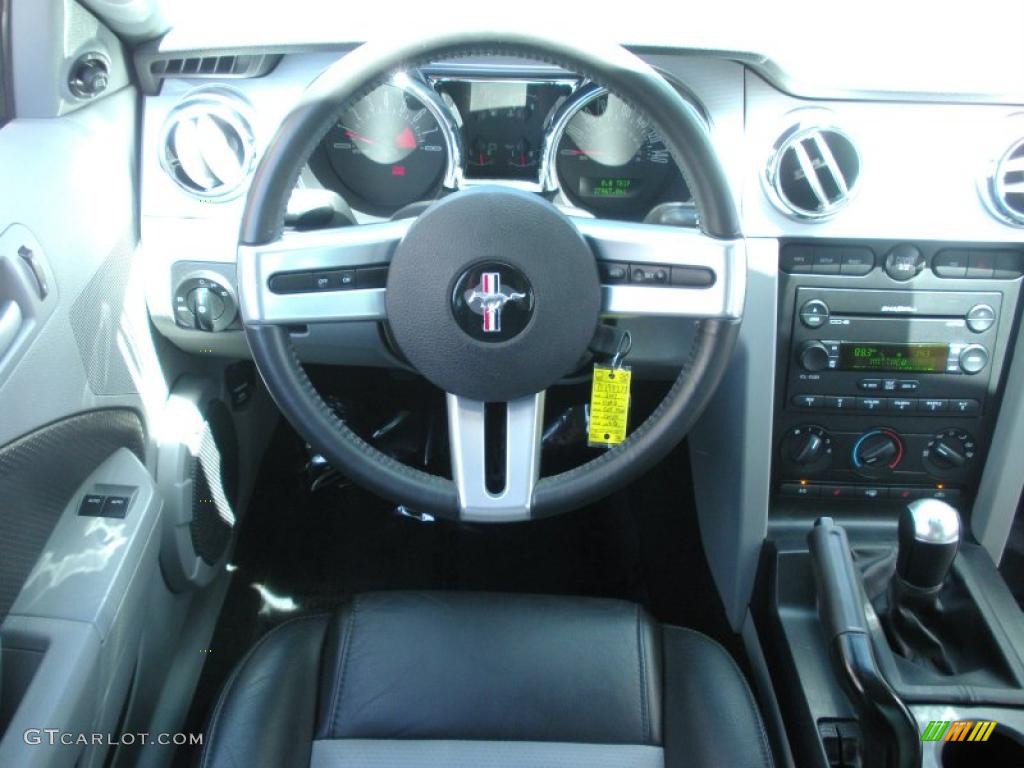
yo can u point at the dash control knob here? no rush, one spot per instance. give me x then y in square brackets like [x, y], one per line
[814, 356]
[203, 302]
[949, 453]
[807, 449]
[877, 452]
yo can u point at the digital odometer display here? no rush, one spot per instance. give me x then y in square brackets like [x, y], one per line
[593, 186]
[907, 358]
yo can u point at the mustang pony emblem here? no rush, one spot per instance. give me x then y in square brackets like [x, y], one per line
[488, 299]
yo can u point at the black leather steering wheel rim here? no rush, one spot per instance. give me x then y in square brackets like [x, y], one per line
[301, 131]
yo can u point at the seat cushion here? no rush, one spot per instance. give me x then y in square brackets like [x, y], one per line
[445, 678]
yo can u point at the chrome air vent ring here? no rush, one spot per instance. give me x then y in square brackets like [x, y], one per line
[812, 170]
[208, 147]
[1003, 185]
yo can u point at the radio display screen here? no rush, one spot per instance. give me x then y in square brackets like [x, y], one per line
[907, 358]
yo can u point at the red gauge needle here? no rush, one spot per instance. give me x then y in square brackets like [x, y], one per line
[406, 139]
[585, 152]
[358, 136]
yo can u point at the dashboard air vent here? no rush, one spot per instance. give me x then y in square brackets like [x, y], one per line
[208, 146]
[1006, 186]
[813, 171]
[154, 66]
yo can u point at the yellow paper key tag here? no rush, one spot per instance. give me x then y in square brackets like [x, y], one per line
[609, 405]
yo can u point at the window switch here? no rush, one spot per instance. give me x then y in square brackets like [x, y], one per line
[116, 506]
[92, 505]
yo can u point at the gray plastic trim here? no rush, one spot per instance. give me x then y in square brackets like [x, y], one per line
[731, 446]
[1002, 482]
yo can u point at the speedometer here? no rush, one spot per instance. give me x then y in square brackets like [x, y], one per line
[387, 150]
[611, 160]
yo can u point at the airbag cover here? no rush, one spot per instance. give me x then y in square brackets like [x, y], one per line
[493, 294]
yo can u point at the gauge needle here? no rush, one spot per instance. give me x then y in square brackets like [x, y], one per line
[585, 152]
[358, 136]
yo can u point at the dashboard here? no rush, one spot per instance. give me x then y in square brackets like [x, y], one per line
[884, 236]
[429, 132]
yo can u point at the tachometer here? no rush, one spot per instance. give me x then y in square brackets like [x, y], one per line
[387, 150]
[611, 160]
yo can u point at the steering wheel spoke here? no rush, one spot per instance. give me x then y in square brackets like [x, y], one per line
[649, 269]
[513, 434]
[323, 276]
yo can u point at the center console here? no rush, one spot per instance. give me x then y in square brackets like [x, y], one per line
[890, 363]
[894, 640]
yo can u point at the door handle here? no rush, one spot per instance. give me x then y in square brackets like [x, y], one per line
[10, 324]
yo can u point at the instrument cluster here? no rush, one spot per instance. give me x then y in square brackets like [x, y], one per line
[421, 136]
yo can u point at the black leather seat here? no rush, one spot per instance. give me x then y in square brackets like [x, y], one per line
[476, 679]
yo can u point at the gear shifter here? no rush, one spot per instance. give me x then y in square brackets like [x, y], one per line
[914, 615]
[929, 537]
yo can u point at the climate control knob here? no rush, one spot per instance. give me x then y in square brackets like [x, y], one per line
[949, 453]
[807, 449]
[877, 452]
[814, 356]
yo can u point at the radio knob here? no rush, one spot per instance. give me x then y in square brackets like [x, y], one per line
[814, 356]
[973, 359]
[877, 452]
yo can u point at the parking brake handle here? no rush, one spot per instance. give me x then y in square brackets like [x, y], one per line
[841, 610]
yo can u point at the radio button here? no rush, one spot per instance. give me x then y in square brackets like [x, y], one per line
[967, 407]
[908, 385]
[980, 318]
[869, 385]
[827, 261]
[981, 265]
[904, 262]
[902, 404]
[951, 263]
[889, 385]
[857, 261]
[871, 403]
[814, 313]
[933, 405]
[840, 403]
[798, 259]
[808, 401]
[973, 359]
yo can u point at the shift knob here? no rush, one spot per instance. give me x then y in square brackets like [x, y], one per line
[929, 537]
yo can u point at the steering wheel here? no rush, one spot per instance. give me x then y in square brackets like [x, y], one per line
[493, 255]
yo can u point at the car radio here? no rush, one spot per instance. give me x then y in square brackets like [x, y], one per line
[886, 388]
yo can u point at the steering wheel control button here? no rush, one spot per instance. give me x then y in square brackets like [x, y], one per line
[492, 302]
[493, 294]
[655, 275]
[904, 262]
[614, 273]
[980, 318]
[973, 359]
[814, 313]
[693, 277]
